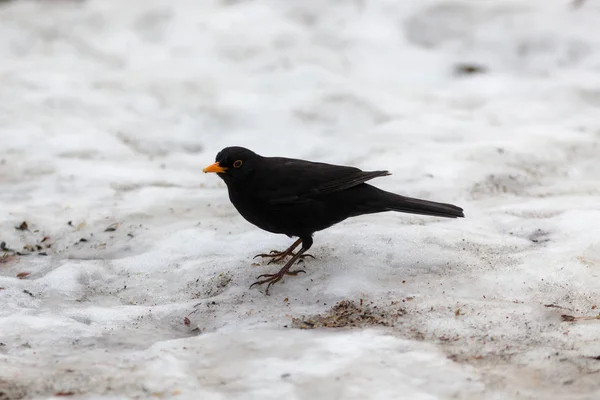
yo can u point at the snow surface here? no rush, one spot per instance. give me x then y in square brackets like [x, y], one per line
[110, 109]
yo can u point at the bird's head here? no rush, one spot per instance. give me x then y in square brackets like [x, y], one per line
[233, 163]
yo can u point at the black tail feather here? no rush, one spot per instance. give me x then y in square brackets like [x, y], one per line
[411, 205]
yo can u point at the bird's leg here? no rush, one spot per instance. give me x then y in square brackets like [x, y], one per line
[277, 256]
[282, 254]
[274, 278]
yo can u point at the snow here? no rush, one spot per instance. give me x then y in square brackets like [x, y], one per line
[109, 111]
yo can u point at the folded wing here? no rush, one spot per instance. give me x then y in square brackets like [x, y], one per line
[298, 180]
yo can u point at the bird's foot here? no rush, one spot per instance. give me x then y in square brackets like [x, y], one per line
[274, 278]
[274, 254]
[278, 256]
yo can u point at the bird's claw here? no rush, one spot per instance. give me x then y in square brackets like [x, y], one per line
[272, 254]
[281, 258]
[271, 279]
[278, 256]
[274, 278]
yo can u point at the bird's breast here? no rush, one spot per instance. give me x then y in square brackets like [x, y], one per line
[291, 218]
[256, 210]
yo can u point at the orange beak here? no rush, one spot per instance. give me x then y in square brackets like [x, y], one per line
[214, 168]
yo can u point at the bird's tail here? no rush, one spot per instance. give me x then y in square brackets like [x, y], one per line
[395, 202]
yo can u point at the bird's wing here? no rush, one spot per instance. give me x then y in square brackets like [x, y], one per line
[294, 181]
[348, 181]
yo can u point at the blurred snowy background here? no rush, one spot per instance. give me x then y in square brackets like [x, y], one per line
[130, 275]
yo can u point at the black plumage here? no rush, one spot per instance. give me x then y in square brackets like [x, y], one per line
[298, 197]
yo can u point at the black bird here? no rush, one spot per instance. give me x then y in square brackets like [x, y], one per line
[298, 198]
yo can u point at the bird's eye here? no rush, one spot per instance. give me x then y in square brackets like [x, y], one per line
[237, 164]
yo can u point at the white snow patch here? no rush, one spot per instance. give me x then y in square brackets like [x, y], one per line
[109, 110]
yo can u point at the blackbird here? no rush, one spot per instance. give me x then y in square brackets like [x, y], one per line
[298, 198]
